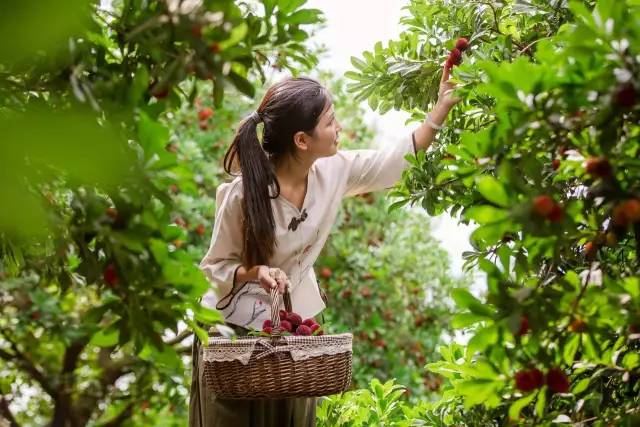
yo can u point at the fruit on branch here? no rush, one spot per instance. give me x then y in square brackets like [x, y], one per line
[462, 44]
[625, 95]
[528, 380]
[598, 167]
[557, 381]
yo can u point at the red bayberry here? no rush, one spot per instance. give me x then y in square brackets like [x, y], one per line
[619, 216]
[578, 325]
[524, 326]
[449, 64]
[282, 314]
[214, 47]
[205, 113]
[201, 229]
[626, 95]
[462, 44]
[326, 272]
[36, 315]
[309, 322]
[286, 325]
[455, 55]
[110, 275]
[590, 250]
[632, 209]
[557, 381]
[556, 214]
[315, 327]
[267, 323]
[529, 380]
[196, 30]
[112, 213]
[599, 167]
[365, 292]
[555, 164]
[294, 318]
[268, 329]
[303, 330]
[543, 205]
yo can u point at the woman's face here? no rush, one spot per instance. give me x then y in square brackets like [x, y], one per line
[325, 140]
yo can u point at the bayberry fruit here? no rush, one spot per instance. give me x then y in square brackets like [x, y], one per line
[557, 381]
[543, 205]
[462, 44]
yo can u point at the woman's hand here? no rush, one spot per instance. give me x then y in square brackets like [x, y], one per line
[270, 278]
[445, 93]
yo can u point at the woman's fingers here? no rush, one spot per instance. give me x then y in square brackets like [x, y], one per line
[445, 74]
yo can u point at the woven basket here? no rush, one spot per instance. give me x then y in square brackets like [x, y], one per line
[278, 366]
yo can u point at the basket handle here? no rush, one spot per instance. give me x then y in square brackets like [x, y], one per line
[275, 304]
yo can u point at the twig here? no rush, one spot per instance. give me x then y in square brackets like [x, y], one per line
[5, 411]
[180, 337]
[28, 366]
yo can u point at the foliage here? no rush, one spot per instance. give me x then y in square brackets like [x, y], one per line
[550, 108]
[96, 268]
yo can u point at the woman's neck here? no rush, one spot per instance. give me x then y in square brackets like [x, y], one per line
[292, 172]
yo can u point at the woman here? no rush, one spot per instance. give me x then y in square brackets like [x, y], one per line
[273, 220]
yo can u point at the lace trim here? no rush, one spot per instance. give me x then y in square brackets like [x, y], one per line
[300, 348]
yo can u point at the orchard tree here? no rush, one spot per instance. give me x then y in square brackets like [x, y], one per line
[92, 269]
[541, 154]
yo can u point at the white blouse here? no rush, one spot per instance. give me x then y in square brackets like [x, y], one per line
[330, 179]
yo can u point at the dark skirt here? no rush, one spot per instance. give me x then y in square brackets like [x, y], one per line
[205, 410]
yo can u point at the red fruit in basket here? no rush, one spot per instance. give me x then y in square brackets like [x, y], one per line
[282, 314]
[267, 323]
[309, 322]
[294, 318]
[557, 381]
[303, 330]
[286, 325]
[268, 330]
[315, 328]
[462, 44]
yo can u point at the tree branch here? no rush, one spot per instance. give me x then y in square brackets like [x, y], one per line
[27, 366]
[6, 412]
[180, 337]
[123, 416]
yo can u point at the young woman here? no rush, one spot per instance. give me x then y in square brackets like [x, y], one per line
[273, 219]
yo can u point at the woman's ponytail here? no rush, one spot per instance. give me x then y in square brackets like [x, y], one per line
[292, 105]
[258, 175]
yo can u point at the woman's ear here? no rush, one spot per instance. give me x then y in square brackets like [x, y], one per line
[301, 139]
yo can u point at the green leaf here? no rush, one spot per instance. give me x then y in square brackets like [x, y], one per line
[541, 402]
[485, 214]
[358, 63]
[106, 337]
[570, 349]
[237, 34]
[242, 84]
[493, 190]
[517, 406]
[304, 16]
[581, 386]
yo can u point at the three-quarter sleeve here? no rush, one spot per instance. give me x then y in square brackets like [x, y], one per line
[376, 169]
[224, 255]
